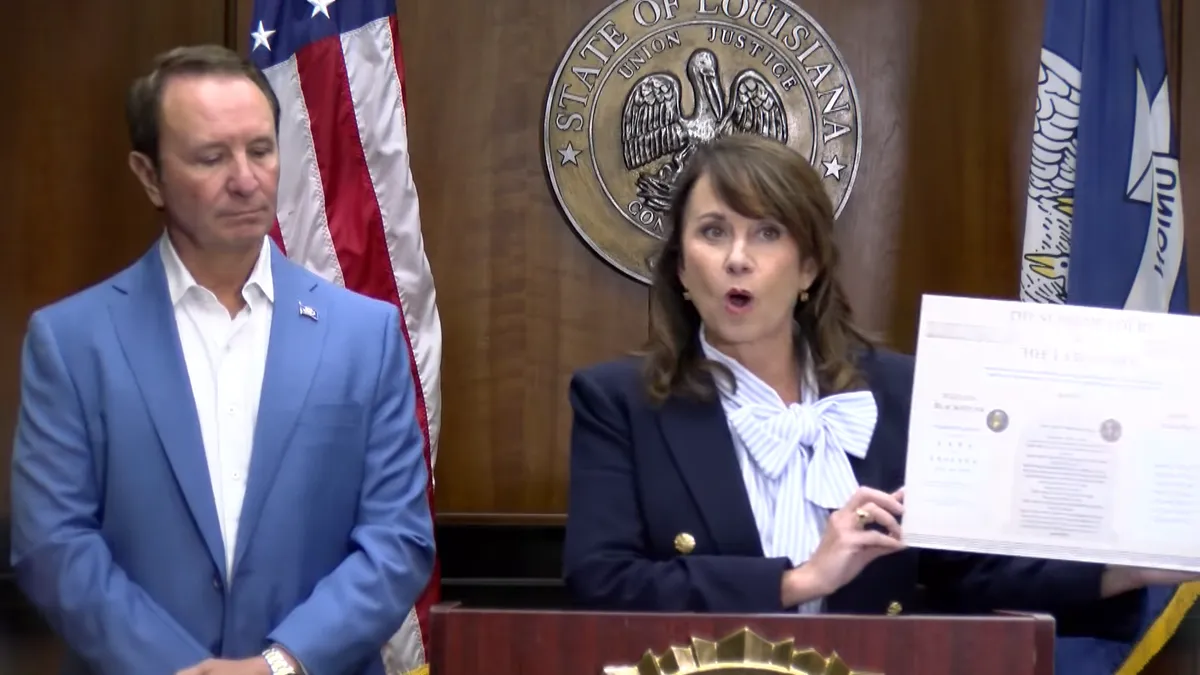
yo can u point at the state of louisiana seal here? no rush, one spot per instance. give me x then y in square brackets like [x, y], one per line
[648, 81]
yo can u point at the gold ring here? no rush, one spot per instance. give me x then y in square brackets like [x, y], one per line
[863, 517]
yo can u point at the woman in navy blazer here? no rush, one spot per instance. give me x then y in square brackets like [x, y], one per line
[752, 458]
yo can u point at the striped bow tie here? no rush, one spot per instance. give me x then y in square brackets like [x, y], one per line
[829, 429]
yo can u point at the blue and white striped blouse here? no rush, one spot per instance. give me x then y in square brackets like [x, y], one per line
[793, 457]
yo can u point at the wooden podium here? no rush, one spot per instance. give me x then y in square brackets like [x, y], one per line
[519, 642]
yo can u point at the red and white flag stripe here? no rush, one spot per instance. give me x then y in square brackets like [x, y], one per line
[348, 210]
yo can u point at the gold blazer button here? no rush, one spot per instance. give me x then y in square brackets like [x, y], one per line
[894, 609]
[684, 543]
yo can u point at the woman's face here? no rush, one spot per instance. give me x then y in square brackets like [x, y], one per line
[744, 276]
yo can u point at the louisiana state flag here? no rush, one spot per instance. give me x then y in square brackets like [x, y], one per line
[1104, 218]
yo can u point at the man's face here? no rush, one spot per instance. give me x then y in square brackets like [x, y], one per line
[218, 162]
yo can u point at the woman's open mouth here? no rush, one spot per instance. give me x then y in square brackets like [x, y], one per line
[738, 301]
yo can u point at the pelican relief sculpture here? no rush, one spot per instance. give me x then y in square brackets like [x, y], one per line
[653, 125]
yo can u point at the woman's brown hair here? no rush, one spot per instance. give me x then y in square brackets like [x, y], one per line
[762, 179]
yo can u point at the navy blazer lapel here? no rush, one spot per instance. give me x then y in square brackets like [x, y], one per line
[867, 469]
[298, 328]
[698, 436]
[145, 325]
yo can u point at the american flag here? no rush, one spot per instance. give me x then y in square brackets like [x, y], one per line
[347, 201]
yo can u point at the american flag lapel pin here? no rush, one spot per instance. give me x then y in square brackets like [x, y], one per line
[308, 312]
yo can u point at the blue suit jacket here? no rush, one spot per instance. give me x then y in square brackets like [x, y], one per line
[115, 535]
[642, 474]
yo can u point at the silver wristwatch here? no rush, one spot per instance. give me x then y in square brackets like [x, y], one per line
[278, 663]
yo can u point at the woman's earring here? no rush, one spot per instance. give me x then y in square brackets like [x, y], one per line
[804, 296]
[687, 296]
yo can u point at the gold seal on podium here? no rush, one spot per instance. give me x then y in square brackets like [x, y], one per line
[742, 653]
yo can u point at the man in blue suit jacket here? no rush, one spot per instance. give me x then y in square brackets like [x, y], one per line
[217, 469]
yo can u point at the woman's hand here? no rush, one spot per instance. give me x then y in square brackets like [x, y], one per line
[847, 545]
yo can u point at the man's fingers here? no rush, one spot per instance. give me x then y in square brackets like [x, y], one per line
[198, 669]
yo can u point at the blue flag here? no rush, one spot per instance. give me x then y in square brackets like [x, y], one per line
[1104, 216]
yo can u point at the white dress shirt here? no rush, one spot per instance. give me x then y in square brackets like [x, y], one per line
[793, 457]
[225, 358]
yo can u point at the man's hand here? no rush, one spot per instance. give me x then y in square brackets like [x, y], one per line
[1118, 579]
[253, 666]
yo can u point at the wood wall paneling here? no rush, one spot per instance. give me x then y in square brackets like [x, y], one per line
[1185, 37]
[970, 111]
[523, 300]
[1181, 656]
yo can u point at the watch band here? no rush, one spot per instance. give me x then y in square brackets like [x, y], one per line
[279, 665]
